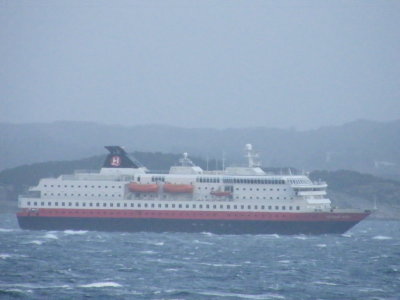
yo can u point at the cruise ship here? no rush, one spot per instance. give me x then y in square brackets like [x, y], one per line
[125, 196]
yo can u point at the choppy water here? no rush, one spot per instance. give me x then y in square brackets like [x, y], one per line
[362, 264]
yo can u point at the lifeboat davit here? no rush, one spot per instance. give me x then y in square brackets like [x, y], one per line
[143, 188]
[220, 193]
[178, 188]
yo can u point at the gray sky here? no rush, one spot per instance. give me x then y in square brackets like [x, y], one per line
[301, 64]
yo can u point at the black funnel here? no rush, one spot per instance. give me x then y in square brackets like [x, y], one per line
[118, 158]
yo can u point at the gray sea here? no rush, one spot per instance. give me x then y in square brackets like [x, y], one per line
[364, 263]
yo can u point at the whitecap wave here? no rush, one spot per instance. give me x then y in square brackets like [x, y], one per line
[300, 237]
[324, 283]
[370, 290]
[51, 236]
[220, 265]
[381, 237]
[4, 255]
[242, 296]
[75, 232]
[321, 245]
[277, 236]
[201, 242]
[147, 252]
[207, 233]
[284, 261]
[100, 285]
[6, 230]
[35, 242]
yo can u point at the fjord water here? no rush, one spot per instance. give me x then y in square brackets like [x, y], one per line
[364, 263]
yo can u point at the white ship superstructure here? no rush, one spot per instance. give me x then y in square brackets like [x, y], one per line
[187, 197]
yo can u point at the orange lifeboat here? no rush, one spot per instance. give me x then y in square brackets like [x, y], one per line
[143, 188]
[220, 193]
[178, 188]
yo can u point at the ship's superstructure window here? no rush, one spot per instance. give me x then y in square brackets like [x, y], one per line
[239, 180]
[158, 179]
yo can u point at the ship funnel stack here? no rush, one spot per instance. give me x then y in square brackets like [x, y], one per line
[252, 157]
[118, 162]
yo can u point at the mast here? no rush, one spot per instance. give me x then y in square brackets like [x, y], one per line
[252, 157]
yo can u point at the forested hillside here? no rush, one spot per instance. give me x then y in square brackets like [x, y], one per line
[364, 146]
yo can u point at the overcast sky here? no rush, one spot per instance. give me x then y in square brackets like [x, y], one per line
[301, 64]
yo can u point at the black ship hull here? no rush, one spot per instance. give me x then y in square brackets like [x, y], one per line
[186, 225]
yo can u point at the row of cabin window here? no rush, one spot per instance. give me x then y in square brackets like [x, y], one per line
[79, 195]
[159, 205]
[157, 179]
[250, 189]
[265, 198]
[298, 181]
[83, 186]
[253, 181]
[208, 179]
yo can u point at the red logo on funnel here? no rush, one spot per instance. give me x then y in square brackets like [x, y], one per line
[115, 161]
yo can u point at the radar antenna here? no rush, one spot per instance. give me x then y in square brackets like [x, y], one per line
[185, 161]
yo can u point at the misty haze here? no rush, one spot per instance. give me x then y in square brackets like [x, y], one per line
[199, 150]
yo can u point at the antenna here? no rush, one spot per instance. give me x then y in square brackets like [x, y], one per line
[223, 160]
